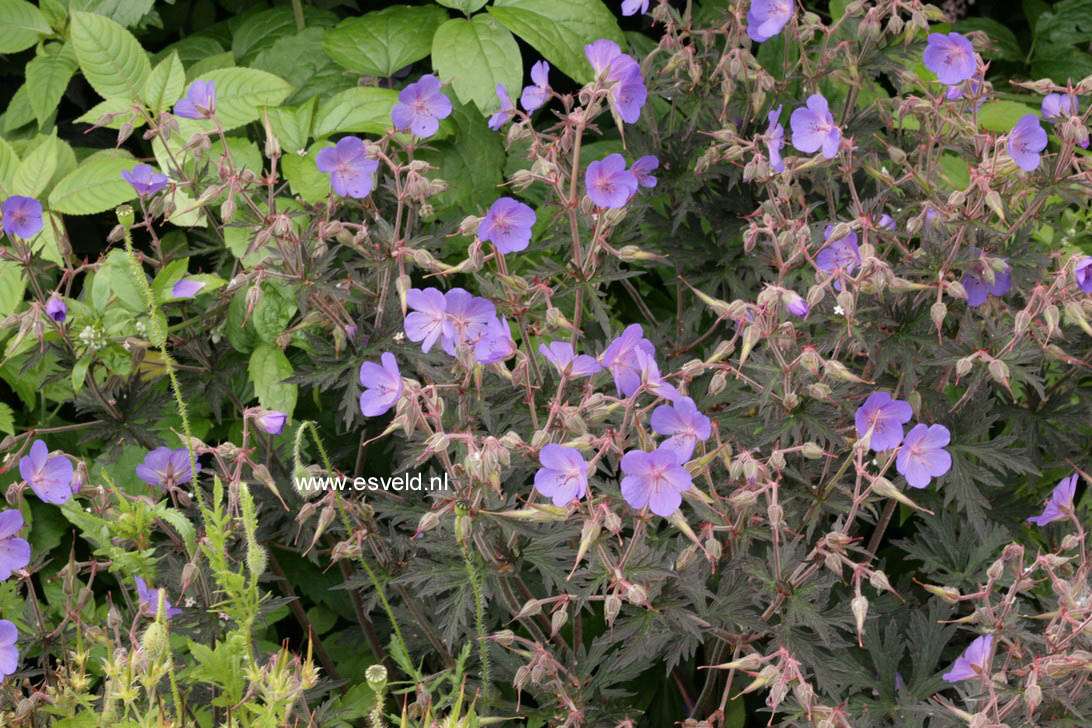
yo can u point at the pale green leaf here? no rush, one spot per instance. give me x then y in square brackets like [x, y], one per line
[95, 186]
[240, 92]
[19, 111]
[382, 42]
[268, 369]
[124, 12]
[477, 55]
[1001, 116]
[292, 125]
[111, 59]
[361, 109]
[21, 25]
[48, 74]
[126, 113]
[261, 30]
[7, 419]
[463, 6]
[9, 162]
[303, 176]
[12, 285]
[165, 84]
[35, 171]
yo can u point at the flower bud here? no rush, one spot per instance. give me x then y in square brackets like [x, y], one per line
[811, 451]
[612, 605]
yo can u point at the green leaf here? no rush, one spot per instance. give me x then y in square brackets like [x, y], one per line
[463, 6]
[268, 369]
[999, 116]
[181, 524]
[298, 59]
[261, 30]
[559, 29]
[304, 177]
[48, 74]
[123, 12]
[170, 274]
[362, 109]
[36, 170]
[9, 162]
[474, 153]
[209, 63]
[240, 92]
[21, 24]
[165, 84]
[292, 125]
[19, 111]
[382, 42]
[7, 419]
[477, 55]
[122, 283]
[95, 186]
[122, 107]
[1060, 63]
[273, 312]
[1004, 46]
[12, 286]
[110, 57]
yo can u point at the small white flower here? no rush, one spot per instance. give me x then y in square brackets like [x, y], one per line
[400, 337]
[190, 602]
[839, 310]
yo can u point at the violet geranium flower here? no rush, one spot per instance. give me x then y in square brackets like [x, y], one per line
[649, 373]
[839, 258]
[775, 140]
[562, 356]
[186, 288]
[382, 383]
[1056, 106]
[951, 57]
[654, 479]
[813, 128]
[922, 456]
[426, 322]
[563, 476]
[56, 309]
[795, 303]
[643, 169]
[979, 286]
[609, 183]
[881, 419]
[349, 167]
[495, 344]
[974, 662]
[149, 600]
[1061, 502]
[468, 319]
[49, 477]
[1026, 140]
[507, 225]
[534, 96]
[421, 106]
[22, 216]
[628, 93]
[621, 360]
[271, 422]
[886, 222]
[165, 467]
[631, 7]
[200, 101]
[14, 551]
[1082, 273]
[503, 115]
[766, 18]
[144, 179]
[9, 654]
[685, 425]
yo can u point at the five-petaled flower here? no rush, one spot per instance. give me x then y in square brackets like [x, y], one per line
[22, 216]
[271, 422]
[468, 319]
[563, 476]
[1060, 505]
[426, 322]
[839, 258]
[922, 456]
[144, 179]
[1055, 106]
[654, 479]
[49, 477]
[165, 467]
[977, 281]
[199, 102]
[14, 551]
[951, 57]
[507, 225]
[149, 600]
[382, 383]
[9, 653]
[534, 96]
[503, 115]
[627, 87]
[685, 425]
[881, 418]
[1026, 140]
[349, 167]
[620, 358]
[562, 356]
[609, 183]
[974, 662]
[775, 140]
[421, 106]
[643, 169]
[56, 309]
[1082, 273]
[813, 128]
[766, 18]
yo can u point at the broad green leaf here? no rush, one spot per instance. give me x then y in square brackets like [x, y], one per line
[1000, 116]
[303, 176]
[21, 25]
[956, 172]
[50, 240]
[95, 186]
[9, 162]
[268, 369]
[48, 74]
[382, 42]
[123, 12]
[19, 111]
[240, 92]
[12, 286]
[126, 113]
[121, 280]
[165, 84]
[1004, 43]
[261, 30]
[362, 109]
[477, 55]
[559, 29]
[292, 125]
[463, 6]
[473, 153]
[273, 311]
[35, 171]
[1060, 63]
[110, 57]
[170, 274]
[298, 59]
[194, 48]
[209, 63]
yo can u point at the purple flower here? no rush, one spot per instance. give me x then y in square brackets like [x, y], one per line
[1055, 106]
[495, 344]
[684, 423]
[841, 257]
[654, 479]
[1026, 140]
[200, 101]
[796, 305]
[426, 322]
[766, 18]
[22, 216]
[56, 309]
[535, 96]
[271, 422]
[643, 169]
[14, 551]
[421, 106]
[186, 288]
[882, 418]
[609, 183]
[620, 358]
[166, 467]
[506, 111]
[468, 319]
[507, 225]
[922, 455]
[979, 287]
[1061, 502]
[49, 477]
[349, 167]
[563, 476]
[954, 93]
[649, 373]
[383, 385]
[629, 95]
[630, 7]
[149, 600]
[887, 222]
[1082, 273]
[951, 57]
[144, 179]
[813, 127]
[9, 655]
[562, 356]
[605, 55]
[775, 140]
[975, 660]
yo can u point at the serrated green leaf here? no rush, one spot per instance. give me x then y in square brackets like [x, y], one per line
[9, 162]
[382, 42]
[303, 176]
[559, 29]
[12, 285]
[261, 30]
[35, 171]
[272, 313]
[48, 74]
[1004, 43]
[165, 84]
[463, 6]
[362, 109]
[111, 59]
[298, 59]
[268, 369]
[181, 524]
[95, 186]
[477, 55]
[21, 25]
[241, 92]
[126, 13]
[19, 111]
[209, 63]
[292, 125]
[474, 152]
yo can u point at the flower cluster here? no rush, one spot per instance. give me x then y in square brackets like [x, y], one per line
[623, 75]
[921, 456]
